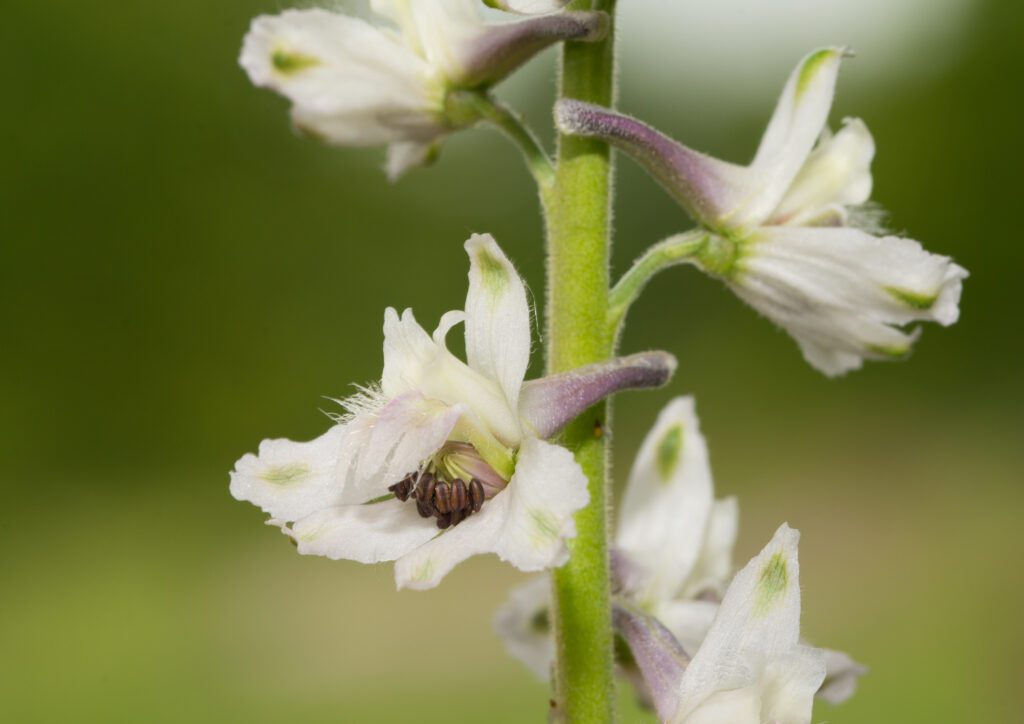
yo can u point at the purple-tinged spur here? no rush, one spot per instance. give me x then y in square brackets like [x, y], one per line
[444, 459]
[790, 232]
[353, 83]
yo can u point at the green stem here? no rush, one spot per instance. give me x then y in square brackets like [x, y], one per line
[578, 222]
[515, 129]
[678, 249]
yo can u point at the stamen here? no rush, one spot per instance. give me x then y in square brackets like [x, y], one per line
[476, 495]
[449, 502]
[443, 498]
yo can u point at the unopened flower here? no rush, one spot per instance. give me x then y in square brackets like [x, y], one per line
[442, 459]
[672, 559]
[353, 83]
[789, 233]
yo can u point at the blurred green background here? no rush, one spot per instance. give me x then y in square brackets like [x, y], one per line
[183, 277]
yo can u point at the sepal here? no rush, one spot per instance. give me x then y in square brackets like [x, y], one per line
[657, 653]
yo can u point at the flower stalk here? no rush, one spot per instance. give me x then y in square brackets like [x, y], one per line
[578, 227]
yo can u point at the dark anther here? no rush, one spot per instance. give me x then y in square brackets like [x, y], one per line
[425, 488]
[424, 510]
[403, 489]
[443, 521]
[459, 495]
[458, 515]
[443, 498]
[476, 495]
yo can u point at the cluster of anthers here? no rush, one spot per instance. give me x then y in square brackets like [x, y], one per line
[450, 502]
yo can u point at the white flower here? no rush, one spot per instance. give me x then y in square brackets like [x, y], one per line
[442, 444]
[672, 556]
[752, 667]
[528, 7]
[357, 84]
[785, 233]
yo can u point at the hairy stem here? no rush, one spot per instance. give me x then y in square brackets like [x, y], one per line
[578, 222]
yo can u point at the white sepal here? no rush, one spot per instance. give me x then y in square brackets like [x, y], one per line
[289, 480]
[497, 318]
[667, 504]
[751, 667]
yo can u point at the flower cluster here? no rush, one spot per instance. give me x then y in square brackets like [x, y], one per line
[444, 458]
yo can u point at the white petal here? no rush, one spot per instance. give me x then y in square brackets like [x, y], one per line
[842, 293]
[688, 620]
[289, 479]
[351, 83]
[523, 622]
[735, 706]
[497, 317]
[837, 174]
[528, 7]
[406, 155]
[364, 533]
[789, 683]
[799, 118]
[842, 673]
[414, 361]
[754, 636]
[667, 504]
[437, 30]
[383, 446]
[713, 569]
[526, 524]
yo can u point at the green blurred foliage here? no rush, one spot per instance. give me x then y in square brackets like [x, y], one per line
[182, 277]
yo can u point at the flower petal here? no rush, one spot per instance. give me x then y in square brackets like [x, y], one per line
[406, 155]
[841, 676]
[688, 620]
[528, 7]
[661, 659]
[385, 445]
[550, 403]
[667, 504]
[526, 524]
[365, 533]
[840, 292]
[351, 83]
[754, 640]
[707, 188]
[289, 479]
[523, 623]
[435, 29]
[414, 361]
[497, 317]
[799, 118]
[837, 174]
[713, 568]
